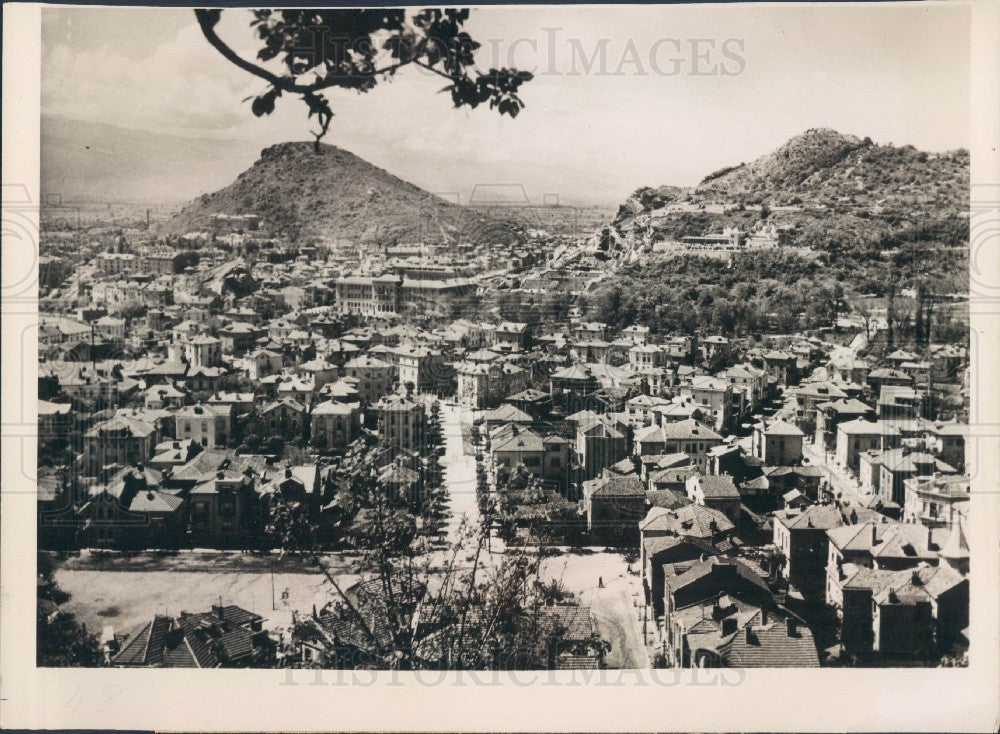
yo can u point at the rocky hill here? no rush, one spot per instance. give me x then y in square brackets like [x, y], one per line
[334, 195]
[824, 169]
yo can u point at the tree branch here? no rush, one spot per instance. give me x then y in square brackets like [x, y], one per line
[207, 20]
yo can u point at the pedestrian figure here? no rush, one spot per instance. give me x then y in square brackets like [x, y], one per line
[600, 582]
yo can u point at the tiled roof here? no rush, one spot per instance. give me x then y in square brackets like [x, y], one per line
[153, 501]
[689, 429]
[133, 652]
[779, 428]
[922, 584]
[628, 486]
[771, 646]
[690, 520]
[523, 440]
[509, 414]
[717, 487]
[814, 517]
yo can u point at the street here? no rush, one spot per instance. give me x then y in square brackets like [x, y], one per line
[459, 470]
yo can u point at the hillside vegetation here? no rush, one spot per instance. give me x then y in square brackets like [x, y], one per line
[335, 195]
[876, 219]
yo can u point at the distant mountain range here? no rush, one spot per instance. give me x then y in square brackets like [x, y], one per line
[335, 195]
[99, 162]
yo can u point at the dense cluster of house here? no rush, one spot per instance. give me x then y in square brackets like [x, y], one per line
[763, 482]
[794, 500]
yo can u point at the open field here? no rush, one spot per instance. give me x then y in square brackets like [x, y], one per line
[126, 598]
[123, 592]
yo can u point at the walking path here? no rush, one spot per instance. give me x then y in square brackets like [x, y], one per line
[616, 619]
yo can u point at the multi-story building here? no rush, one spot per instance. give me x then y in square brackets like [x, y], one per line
[394, 293]
[375, 377]
[162, 262]
[401, 423]
[117, 263]
[203, 351]
[120, 440]
[777, 443]
[936, 500]
[334, 424]
[858, 436]
[717, 400]
[209, 425]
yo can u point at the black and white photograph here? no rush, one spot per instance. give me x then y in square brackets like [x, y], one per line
[581, 339]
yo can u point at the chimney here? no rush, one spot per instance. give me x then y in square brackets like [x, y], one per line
[729, 625]
[874, 534]
[791, 627]
[763, 616]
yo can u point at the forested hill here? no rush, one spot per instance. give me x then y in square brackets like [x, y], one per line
[336, 195]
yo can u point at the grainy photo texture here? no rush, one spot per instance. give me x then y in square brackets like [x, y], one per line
[512, 338]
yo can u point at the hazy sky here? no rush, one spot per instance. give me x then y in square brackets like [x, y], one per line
[897, 73]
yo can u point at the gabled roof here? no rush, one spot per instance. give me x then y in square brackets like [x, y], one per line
[689, 429]
[700, 569]
[922, 584]
[574, 620]
[600, 426]
[530, 395]
[779, 428]
[902, 460]
[573, 372]
[625, 486]
[666, 461]
[286, 402]
[717, 487]
[523, 440]
[333, 407]
[845, 406]
[814, 517]
[772, 646]
[507, 413]
[144, 645]
[155, 501]
[690, 520]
